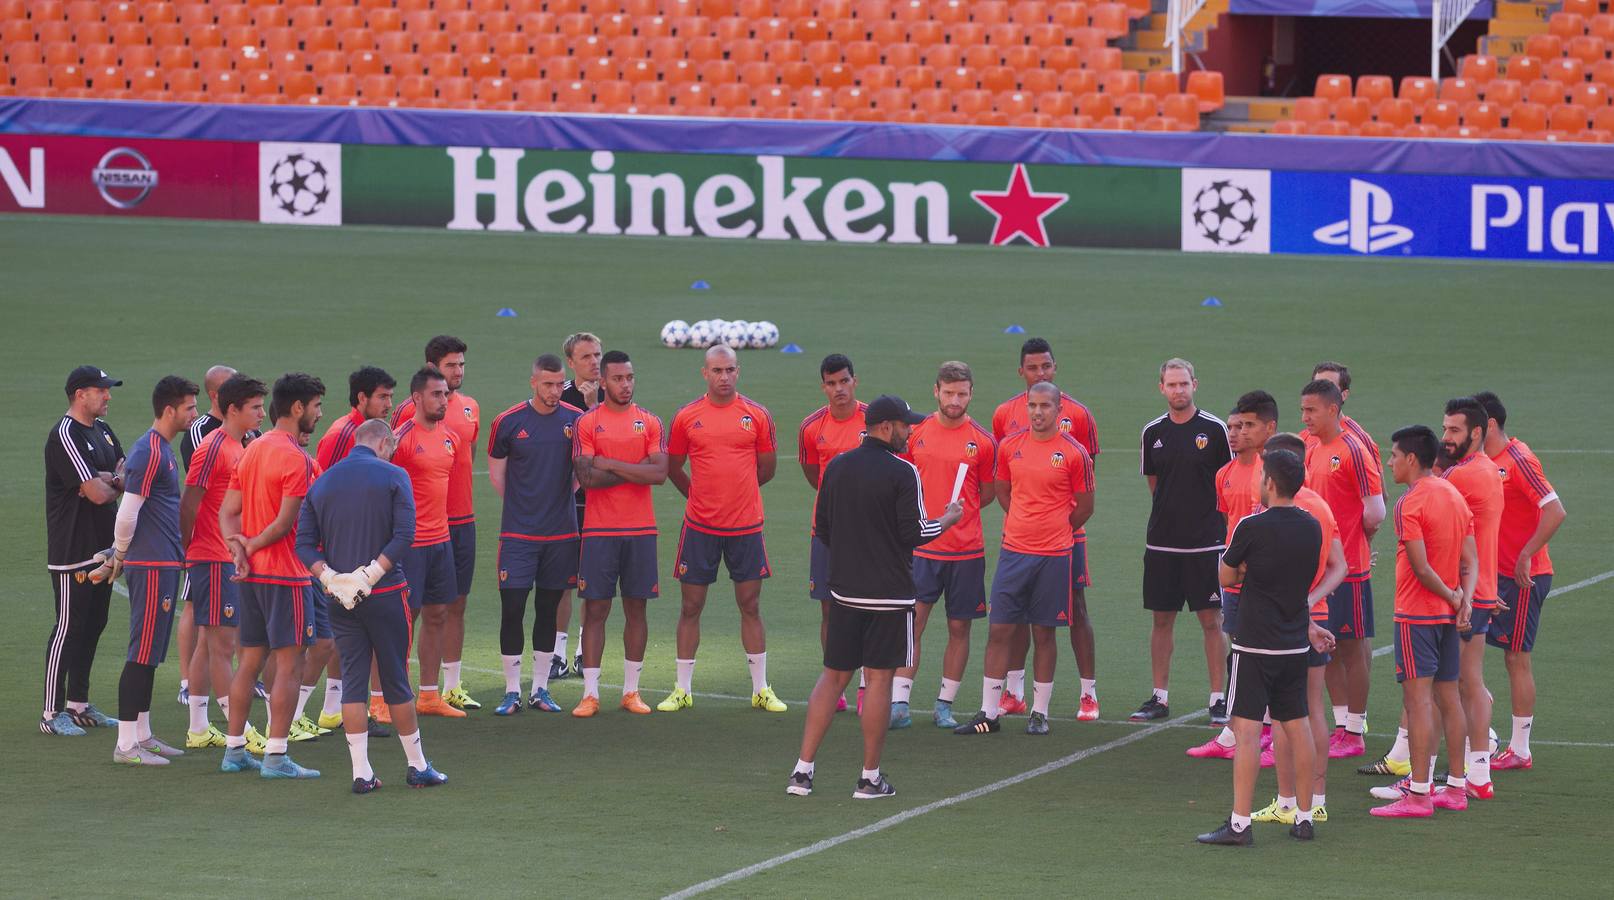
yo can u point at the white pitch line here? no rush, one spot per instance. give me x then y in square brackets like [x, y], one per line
[905, 815]
[1585, 583]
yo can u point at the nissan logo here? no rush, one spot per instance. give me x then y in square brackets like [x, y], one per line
[124, 177]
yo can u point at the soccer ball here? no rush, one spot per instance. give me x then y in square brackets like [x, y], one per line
[675, 334]
[1225, 213]
[735, 334]
[770, 333]
[298, 185]
[701, 334]
[756, 336]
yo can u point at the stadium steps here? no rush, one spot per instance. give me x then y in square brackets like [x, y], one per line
[1249, 114]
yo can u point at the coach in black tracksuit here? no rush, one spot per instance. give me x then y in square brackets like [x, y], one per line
[871, 515]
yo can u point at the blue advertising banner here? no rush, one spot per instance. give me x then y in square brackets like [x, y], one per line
[1435, 215]
[1371, 9]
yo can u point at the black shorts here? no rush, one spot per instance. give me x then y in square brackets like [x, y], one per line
[463, 539]
[868, 639]
[1172, 580]
[1262, 682]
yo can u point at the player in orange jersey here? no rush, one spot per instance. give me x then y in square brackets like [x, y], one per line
[369, 393]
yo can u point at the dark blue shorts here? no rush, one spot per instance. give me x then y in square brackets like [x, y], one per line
[1080, 578]
[548, 565]
[700, 551]
[462, 538]
[1315, 660]
[1479, 622]
[1031, 590]
[152, 595]
[1425, 651]
[275, 615]
[1515, 627]
[381, 624]
[1230, 610]
[963, 581]
[213, 596]
[321, 604]
[611, 560]
[818, 570]
[430, 573]
[1350, 610]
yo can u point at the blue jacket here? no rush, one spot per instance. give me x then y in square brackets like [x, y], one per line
[361, 508]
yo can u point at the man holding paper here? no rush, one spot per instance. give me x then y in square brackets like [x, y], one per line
[357, 520]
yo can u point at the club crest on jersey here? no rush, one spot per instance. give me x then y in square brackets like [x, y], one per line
[229, 610]
[582, 583]
[683, 569]
[448, 444]
[567, 430]
[638, 426]
[1057, 460]
[1502, 470]
[1201, 440]
[107, 436]
[79, 577]
[504, 575]
[469, 413]
[1333, 464]
[308, 631]
[862, 434]
[745, 422]
[971, 449]
[168, 604]
[1065, 425]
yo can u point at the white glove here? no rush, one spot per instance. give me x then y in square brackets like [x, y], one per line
[348, 589]
[111, 566]
[371, 574]
[326, 577]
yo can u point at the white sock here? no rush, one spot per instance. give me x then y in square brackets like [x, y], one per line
[803, 765]
[1479, 767]
[429, 689]
[540, 671]
[1162, 695]
[1286, 802]
[127, 735]
[224, 706]
[992, 697]
[198, 714]
[451, 675]
[1421, 788]
[512, 673]
[1353, 722]
[1340, 712]
[78, 705]
[1226, 738]
[1519, 743]
[1456, 781]
[591, 682]
[358, 748]
[1319, 800]
[901, 689]
[1240, 823]
[560, 646]
[949, 691]
[630, 676]
[1400, 751]
[375, 697]
[184, 684]
[862, 680]
[332, 704]
[234, 741]
[1041, 693]
[413, 751]
[1090, 688]
[1214, 697]
[871, 774]
[143, 726]
[686, 674]
[303, 693]
[1303, 815]
[1015, 683]
[758, 664]
[275, 745]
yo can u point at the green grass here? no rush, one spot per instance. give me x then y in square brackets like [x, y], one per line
[623, 806]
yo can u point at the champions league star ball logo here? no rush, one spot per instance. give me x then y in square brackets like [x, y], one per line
[299, 185]
[1224, 213]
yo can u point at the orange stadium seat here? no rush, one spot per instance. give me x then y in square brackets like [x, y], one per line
[1398, 112]
[1565, 25]
[1482, 115]
[1530, 118]
[1503, 91]
[1207, 86]
[1524, 68]
[1333, 87]
[1441, 113]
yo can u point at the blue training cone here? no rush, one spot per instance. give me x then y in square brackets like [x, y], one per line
[1014, 329]
[1211, 302]
[790, 348]
[506, 313]
[700, 285]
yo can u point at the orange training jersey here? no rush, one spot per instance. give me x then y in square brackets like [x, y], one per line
[1344, 472]
[1044, 478]
[822, 437]
[338, 440]
[937, 451]
[1074, 420]
[1238, 490]
[464, 418]
[1313, 502]
[1476, 478]
[1525, 489]
[272, 468]
[212, 464]
[722, 443]
[1431, 511]
[1350, 425]
[629, 436]
[430, 458]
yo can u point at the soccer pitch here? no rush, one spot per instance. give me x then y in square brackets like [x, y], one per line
[623, 805]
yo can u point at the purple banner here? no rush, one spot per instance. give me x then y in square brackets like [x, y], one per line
[1365, 9]
[436, 128]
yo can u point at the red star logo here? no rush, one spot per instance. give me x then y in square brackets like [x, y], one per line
[1019, 210]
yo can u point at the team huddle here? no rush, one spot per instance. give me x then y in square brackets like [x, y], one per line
[348, 559]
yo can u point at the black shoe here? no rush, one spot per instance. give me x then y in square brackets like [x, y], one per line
[378, 730]
[979, 725]
[1226, 836]
[1150, 710]
[577, 664]
[873, 790]
[800, 784]
[557, 668]
[1302, 831]
[1037, 724]
[365, 785]
[1218, 712]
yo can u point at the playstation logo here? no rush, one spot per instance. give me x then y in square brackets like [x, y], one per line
[1367, 229]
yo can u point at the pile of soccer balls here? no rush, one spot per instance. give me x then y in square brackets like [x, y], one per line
[738, 334]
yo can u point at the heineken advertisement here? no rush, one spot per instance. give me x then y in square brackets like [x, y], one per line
[760, 197]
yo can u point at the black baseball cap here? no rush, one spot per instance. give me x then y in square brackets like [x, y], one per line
[88, 377]
[890, 408]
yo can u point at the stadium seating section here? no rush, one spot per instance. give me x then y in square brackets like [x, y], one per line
[983, 62]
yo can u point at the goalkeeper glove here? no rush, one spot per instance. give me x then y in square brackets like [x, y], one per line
[371, 573]
[111, 566]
